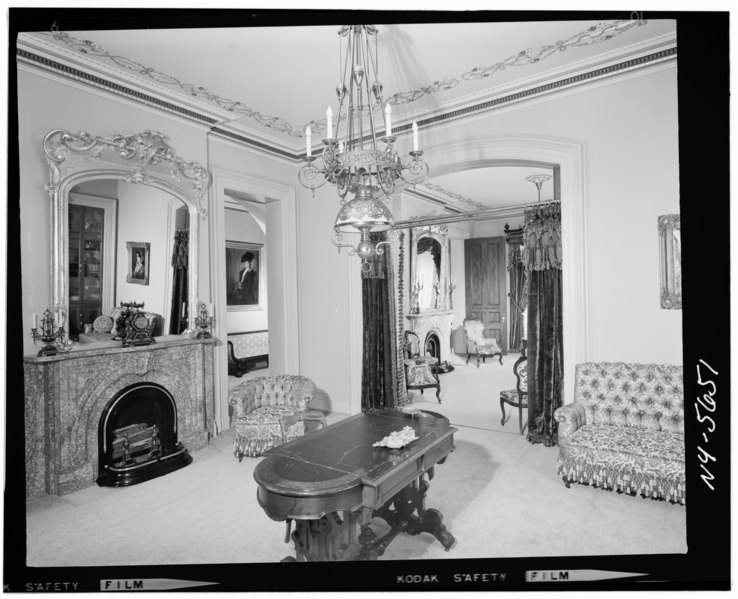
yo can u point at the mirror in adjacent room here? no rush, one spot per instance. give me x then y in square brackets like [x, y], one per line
[125, 215]
[429, 267]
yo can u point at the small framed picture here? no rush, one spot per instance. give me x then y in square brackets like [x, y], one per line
[245, 275]
[138, 262]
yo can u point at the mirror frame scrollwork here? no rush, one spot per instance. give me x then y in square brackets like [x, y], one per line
[143, 158]
[670, 257]
[440, 234]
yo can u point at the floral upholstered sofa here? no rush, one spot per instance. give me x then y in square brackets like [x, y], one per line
[625, 429]
[258, 406]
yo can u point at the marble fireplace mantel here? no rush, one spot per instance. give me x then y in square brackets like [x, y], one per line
[66, 394]
[440, 322]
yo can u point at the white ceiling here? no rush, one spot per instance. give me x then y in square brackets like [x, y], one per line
[267, 83]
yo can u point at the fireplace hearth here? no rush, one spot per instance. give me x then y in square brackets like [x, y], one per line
[138, 437]
[433, 348]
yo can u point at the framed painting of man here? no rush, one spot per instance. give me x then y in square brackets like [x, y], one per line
[245, 275]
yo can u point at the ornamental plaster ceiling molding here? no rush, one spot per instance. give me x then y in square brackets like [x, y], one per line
[523, 65]
[456, 197]
[260, 97]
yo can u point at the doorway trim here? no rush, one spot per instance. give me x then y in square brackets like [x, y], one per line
[283, 307]
[570, 156]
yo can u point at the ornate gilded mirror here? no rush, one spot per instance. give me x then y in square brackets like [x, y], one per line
[429, 287]
[111, 240]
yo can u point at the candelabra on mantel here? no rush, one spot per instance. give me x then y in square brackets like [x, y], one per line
[204, 320]
[451, 289]
[354, 163]
[51, 334]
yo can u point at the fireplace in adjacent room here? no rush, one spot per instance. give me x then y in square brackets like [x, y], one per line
[137, 438]
[434, 329]
[433, 345]
[433, 348]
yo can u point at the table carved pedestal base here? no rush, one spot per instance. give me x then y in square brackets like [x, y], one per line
[336, 537]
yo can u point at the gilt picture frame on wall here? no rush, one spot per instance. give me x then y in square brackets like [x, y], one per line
[670, 261]
[138, 262]
[245, 276]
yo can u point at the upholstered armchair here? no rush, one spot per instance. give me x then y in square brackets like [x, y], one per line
[477, 344]
[420, 371]
[261, 407]
[420, 375]
[412, 349]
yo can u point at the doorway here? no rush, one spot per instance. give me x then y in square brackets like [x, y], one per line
[486, 285]
[280, 250]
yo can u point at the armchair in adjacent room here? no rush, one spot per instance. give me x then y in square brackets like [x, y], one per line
[412, 349]
[261, 410]
[477, 344]
[518, 397]
[420, 371]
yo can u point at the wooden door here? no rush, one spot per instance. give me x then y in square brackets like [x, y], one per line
[486, 285]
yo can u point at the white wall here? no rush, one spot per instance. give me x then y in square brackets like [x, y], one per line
[324, 299]
[628, 128]
[142, 216]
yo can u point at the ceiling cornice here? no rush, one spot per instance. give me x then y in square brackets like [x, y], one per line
[565, 83]
[71, 72]
[222, 122]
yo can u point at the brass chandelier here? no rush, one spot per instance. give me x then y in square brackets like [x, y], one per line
[352, 160]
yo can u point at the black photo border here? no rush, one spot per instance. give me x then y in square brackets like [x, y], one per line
[703, 85]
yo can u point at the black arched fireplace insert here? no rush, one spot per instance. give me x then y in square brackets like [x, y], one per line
[138, 437]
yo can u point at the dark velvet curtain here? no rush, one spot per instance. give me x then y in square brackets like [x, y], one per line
[377, 383]
[542, 259]
[518, 292]
[177, 321]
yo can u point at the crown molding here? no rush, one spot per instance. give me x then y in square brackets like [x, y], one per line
[606, 64]
[565, 84]
[35, 51]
